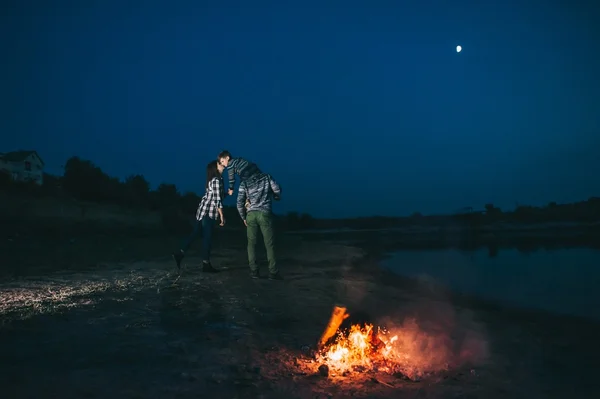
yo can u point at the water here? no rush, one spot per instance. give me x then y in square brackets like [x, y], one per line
[561, 281]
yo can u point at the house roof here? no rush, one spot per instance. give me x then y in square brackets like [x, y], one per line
[19, 156]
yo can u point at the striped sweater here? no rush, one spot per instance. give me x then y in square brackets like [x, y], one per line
[259, 190]
[241, 167]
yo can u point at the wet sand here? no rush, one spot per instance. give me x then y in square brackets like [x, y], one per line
[110, 316]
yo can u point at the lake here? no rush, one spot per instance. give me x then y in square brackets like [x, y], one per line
[560, 281]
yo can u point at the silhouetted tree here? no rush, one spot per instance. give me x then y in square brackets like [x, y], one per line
[189, 202]
[166, 196]
[77, 176]
[527, 214]
[86, 181]
[137, 191]
[114, 191]
[492, 213]
[51, 184]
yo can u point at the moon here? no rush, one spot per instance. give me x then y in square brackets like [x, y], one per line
[458, 49]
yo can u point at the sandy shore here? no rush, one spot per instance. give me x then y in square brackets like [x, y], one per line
[107, 326]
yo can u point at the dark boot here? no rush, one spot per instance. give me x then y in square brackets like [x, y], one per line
[254, 274]
[275, 276]
[208, 268]
[178, 256]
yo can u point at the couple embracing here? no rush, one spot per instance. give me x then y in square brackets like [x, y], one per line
[255, 194]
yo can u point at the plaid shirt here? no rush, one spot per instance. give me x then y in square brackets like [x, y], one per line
[212, 200]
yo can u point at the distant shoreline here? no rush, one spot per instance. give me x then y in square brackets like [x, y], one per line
[526, 238]
[486, 229]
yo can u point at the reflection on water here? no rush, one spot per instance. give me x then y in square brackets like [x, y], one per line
[563, 280]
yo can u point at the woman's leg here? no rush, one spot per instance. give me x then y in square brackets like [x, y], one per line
[207, 230]
[178, 255]
[188, 242]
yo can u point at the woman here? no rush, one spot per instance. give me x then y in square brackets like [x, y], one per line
[209, 210]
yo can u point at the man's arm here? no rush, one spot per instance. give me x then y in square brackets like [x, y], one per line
[231, 170]
[241, 201]
[231, 174]
[275, 188]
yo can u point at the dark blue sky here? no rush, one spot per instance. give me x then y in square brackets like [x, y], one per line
[354, 109]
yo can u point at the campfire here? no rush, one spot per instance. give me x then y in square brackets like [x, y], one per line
[405, 350]
[361, 348]
[359, 357]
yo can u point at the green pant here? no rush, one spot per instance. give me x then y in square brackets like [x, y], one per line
[264, 221]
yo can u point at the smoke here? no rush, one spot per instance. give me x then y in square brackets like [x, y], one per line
[433, 335]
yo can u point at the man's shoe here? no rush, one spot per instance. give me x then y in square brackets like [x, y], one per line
[254, 274]
[178, 256]
[208, 268]
[275, 276]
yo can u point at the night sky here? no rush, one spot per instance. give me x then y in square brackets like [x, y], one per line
[356, 110]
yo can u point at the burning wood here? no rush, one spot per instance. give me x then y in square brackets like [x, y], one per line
[335, 321]
[358, 349]
[408, 350]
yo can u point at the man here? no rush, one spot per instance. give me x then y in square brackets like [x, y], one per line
[258, 190]
[236, 166]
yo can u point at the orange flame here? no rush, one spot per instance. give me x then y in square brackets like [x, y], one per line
[361, 347]
[405, 349]
[335, 321]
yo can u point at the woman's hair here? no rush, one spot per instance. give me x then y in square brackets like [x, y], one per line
[211, 172]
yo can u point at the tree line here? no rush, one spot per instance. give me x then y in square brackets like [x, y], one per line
[577, 212]
[86, 182]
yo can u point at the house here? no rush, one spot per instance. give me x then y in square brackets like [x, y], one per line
[23, 166]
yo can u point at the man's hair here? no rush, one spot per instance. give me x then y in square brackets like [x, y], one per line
[224, 154]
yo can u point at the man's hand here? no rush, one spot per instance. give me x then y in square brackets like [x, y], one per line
[222, 222]
[230, 191]
[245, 223]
